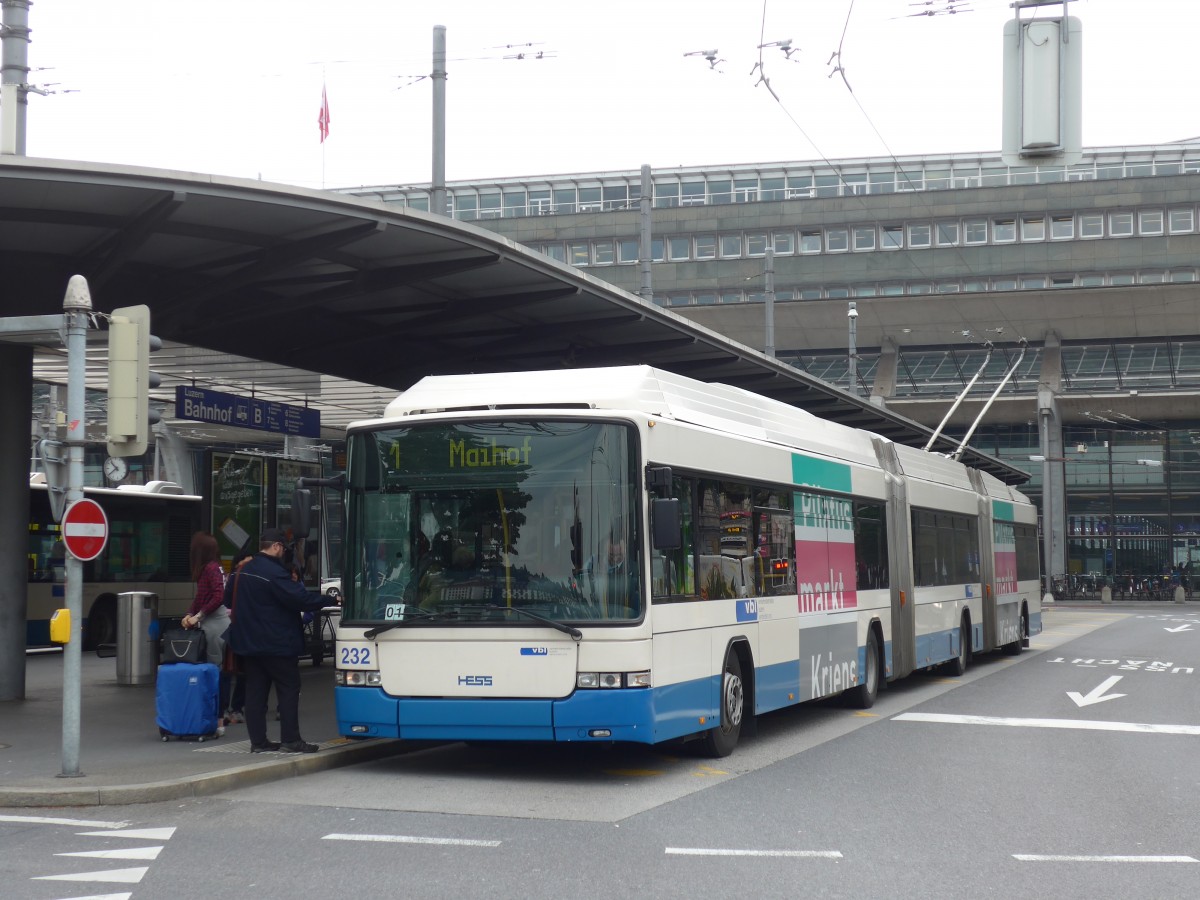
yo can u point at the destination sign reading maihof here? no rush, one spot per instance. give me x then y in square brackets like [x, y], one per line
[245, 412]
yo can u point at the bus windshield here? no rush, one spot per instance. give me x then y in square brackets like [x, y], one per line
[470, 518]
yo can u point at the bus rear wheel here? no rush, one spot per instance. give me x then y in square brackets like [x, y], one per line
[720, 741]
[1014, 648]
[863, 696]
[958, 665]
[101, 624]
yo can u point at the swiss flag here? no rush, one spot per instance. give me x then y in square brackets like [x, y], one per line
[323, 116]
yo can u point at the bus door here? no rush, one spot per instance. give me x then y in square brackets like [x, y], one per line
[899, 523]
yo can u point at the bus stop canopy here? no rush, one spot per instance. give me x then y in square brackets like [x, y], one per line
[346, 300]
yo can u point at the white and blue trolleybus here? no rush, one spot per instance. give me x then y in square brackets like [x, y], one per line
[625, 554]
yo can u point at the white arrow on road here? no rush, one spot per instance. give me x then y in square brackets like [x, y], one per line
[1179, 628]
[1096, 694]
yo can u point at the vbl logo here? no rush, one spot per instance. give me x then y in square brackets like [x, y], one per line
[475, 680]
[747, 610]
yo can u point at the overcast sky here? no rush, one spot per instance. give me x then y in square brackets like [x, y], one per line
[233, 87]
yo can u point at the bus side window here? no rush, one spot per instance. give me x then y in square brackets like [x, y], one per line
[671, 571]
[774, 551]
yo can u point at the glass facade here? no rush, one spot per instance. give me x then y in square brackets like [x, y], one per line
[1132, 517]
[792, 181]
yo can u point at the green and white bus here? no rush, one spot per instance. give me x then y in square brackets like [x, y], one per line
[150, 533]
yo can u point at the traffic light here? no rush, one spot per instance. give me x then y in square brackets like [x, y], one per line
[130, 344]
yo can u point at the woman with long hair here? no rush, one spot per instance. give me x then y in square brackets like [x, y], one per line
[236, 713]
[208, 611]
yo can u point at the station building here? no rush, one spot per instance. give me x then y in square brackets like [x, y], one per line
[1064, 296]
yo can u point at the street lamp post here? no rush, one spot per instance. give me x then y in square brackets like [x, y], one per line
[852, 318]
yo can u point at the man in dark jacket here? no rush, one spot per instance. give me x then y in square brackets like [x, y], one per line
[266, 608]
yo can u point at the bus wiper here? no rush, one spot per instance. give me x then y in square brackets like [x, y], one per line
[410, 616]
[558, 626]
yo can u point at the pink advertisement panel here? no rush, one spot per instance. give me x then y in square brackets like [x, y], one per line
[1006, 559]
[825, 560]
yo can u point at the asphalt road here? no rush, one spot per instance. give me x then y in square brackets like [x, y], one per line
[1070, 771]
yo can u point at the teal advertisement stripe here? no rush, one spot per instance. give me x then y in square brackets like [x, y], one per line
[1003, 511]
[820, 473]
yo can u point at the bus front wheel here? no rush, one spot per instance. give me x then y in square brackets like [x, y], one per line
[720, 741]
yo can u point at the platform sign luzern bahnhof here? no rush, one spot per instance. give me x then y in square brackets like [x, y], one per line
[220, 408]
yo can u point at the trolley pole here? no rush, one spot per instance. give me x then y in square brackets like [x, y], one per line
[77, 308]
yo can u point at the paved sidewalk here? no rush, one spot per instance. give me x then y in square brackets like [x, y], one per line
[122, 759]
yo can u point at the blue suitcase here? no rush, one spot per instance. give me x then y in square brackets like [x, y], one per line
[186, 701]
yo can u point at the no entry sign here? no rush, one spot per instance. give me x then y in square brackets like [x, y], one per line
[85, 529]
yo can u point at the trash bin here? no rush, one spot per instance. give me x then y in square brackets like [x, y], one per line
[137, 637]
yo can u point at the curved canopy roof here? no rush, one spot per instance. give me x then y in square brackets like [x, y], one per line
[316, 282]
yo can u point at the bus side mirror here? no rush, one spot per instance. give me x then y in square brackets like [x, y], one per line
[658, 480]
[666, 521]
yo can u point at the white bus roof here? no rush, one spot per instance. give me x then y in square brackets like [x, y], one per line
[169, 488]
[639, 389]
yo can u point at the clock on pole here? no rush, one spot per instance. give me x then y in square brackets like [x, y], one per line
[115, 469]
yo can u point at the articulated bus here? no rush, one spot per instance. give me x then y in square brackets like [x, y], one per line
[624, 554]
[150, 529]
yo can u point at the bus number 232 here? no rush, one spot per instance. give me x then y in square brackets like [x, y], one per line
[354, 655]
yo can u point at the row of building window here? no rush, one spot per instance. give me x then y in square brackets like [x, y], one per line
[868, 238]
[601, 192]
[941, 286]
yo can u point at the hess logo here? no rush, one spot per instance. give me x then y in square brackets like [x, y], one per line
[475, 680]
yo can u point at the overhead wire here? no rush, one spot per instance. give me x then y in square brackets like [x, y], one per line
[917, 194]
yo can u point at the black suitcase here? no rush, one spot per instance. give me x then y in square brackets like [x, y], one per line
[186, 701]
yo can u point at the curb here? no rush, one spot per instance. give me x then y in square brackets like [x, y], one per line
[204, 785]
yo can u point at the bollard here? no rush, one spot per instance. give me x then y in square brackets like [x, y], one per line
[1106, 594]
[1179, 593]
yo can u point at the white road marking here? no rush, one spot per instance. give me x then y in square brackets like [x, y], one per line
[124, 876]
[706, 851]
[1096, 694]
[127, 853]
[124, 896]
[46, 820]
[1081, 724]
[409, 839]
[1035, 857]
[142, 834]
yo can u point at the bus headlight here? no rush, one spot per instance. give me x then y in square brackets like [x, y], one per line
[357, 678]
[608, 680]
[637, 679]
